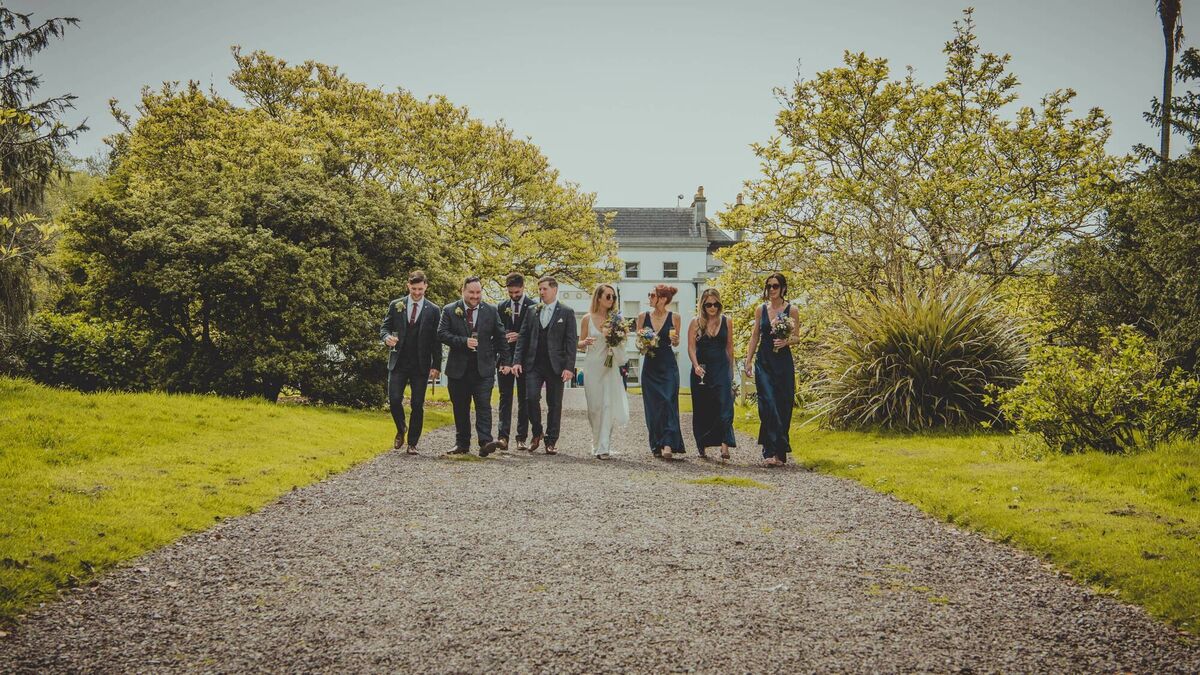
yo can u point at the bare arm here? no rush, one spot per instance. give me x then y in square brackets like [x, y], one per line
[754, 338]
[693, 330]
[729, 345]
[584, 327]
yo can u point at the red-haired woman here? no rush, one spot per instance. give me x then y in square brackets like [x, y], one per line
[660, 375]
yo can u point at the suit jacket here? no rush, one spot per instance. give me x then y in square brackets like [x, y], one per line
[429, 350]
[510, 324]
[563, 338]
[453, 331]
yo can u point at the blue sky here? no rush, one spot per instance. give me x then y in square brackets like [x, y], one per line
[638, 101]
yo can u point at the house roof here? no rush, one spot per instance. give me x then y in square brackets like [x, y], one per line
[642, 223]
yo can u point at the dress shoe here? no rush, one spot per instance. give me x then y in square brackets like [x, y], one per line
[533, 444]
[457, 451]
[502, 444]
[410, 450]
[488, 448]
[551, 450]
[399, 442]
[521, 445]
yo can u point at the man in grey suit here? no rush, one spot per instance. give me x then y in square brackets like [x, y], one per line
[475, 335]
[410, 330]
[545, 354]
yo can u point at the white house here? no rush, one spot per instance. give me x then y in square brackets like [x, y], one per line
[671, 246]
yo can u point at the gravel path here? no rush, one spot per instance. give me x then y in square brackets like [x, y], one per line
[530, 563]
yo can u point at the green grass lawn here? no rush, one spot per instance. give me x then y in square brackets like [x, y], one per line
[1127, 525]
[90, 480]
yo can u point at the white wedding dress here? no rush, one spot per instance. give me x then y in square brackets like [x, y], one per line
[607, 402]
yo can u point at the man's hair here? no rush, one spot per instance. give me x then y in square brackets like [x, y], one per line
[470, 280]
[417, 277]
[513, 280]
[548, 280]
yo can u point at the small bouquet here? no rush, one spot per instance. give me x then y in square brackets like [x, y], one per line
[618, 331]
[647, 340]
[781, 328]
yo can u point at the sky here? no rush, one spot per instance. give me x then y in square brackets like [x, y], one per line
[638, 101]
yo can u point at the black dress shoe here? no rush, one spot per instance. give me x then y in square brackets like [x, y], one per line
[457, 451]
[399, 442]
[488, 448]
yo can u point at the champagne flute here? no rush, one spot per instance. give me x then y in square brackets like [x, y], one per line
[704, 370]
[474, 336]
[397, 336]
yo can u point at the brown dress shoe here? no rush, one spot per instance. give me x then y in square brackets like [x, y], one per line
[521, 445]
[410, 449]
[399, 442]
[551, 450]
[533, 445]
[502, 443]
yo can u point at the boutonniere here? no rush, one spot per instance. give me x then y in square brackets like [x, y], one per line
[458, 310]
[508, 311]
[540, 306]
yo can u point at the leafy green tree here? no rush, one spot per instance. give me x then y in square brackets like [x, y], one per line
[32, 138]
[873, 185]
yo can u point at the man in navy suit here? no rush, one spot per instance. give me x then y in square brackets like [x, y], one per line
[512, 313]
[410, 331]
[472, 330]
[546, 348]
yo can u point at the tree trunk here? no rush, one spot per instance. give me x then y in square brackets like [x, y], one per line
[1168, 81]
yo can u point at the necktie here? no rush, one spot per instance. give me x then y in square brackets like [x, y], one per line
[517, 313]
[471, 318]
[412, 318]
[546, 314]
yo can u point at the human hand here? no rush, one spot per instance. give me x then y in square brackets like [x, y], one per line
[567, 375]
[516, 369]
[699, 371]
[778, 344]
[511, 336]
[391, 341]
[472, 343]
[434, 373]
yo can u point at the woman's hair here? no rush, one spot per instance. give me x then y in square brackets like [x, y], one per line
[708, 293]
[600, 288]
[665, 291]
[782, 285]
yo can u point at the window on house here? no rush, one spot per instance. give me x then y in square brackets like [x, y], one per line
[631, 270]
[631, 310]
[670, 270]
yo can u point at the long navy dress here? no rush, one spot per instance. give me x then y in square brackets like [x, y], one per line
[660, 391]
[775, 376]
[712, 402]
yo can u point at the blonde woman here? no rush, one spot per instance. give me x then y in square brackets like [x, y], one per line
[607, 404]
[710, 346]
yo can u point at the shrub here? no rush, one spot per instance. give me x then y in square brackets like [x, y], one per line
[86, 354]
[1115, 399]
[923, 360]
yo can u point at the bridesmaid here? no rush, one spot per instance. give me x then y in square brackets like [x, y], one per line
[774, 372]
[710, 345]
[660, 375]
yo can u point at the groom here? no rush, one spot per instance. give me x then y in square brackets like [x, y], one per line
[545, 354]
[472, 330]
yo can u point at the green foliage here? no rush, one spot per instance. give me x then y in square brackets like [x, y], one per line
[31, 140]
[1124, 524]
[876, 185]
[732, 481]
[147, 469]
[83, 353]
[1115, 399]
[924, 360]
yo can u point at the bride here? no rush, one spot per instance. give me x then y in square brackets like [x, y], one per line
[608, 406]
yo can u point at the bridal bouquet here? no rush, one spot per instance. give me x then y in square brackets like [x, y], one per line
[781, 328]
[647, 340]
[618, 331]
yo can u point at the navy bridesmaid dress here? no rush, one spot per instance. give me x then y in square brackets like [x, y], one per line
[775, 377]
[712, 401]
[660, 391]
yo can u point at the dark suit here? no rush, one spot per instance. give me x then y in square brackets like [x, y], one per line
[511, 320]
[470, 373]
[410, 361]
[544, 362]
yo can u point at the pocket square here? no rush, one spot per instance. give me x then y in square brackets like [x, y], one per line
[560, 320]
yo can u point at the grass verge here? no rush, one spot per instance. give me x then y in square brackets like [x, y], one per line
[1126, 525]
[90, 480]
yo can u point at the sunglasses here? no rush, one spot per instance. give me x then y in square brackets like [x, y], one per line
[773, 285]
[609, 296]
[709, 305]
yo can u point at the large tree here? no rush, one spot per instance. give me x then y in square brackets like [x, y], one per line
[32, 140]
[1168, 14]
[874, 185]
[258, 244]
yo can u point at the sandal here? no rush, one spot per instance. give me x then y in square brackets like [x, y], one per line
[725, 454]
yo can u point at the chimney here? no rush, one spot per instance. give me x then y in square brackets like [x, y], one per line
[699, 221]
[738, 235]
